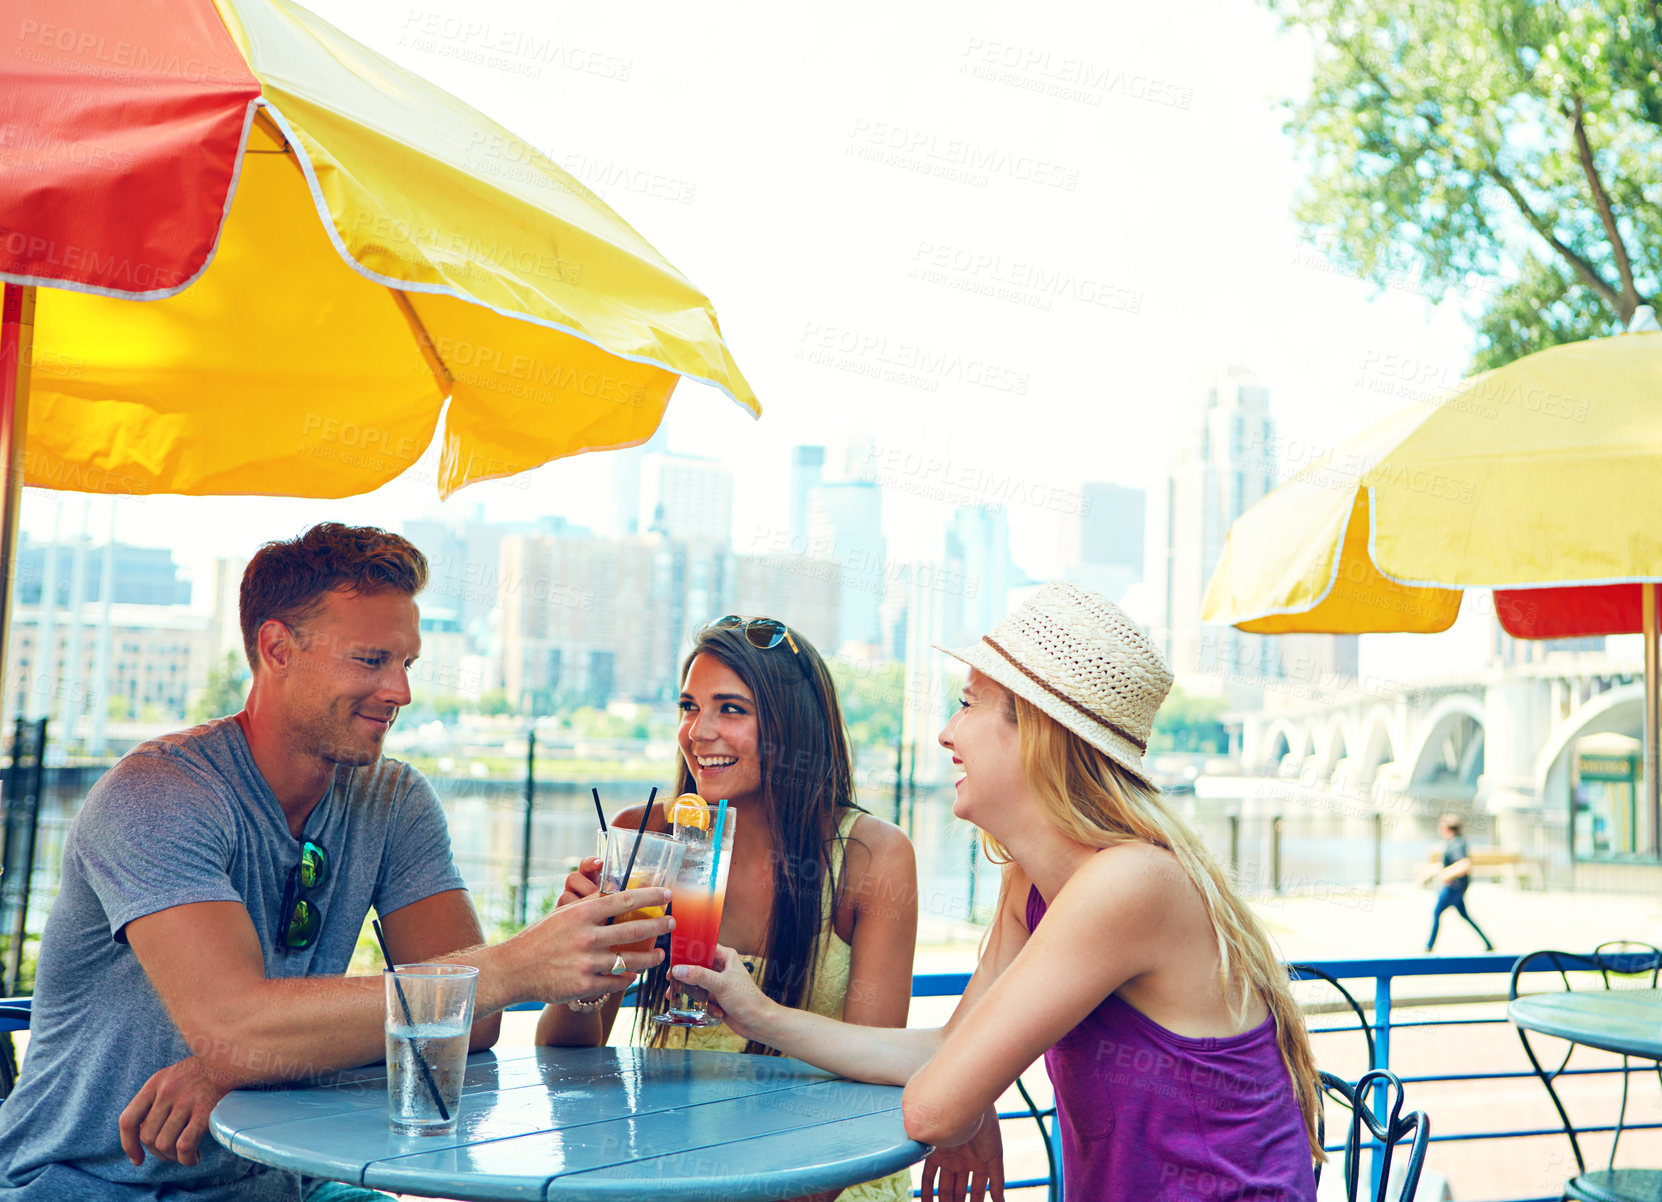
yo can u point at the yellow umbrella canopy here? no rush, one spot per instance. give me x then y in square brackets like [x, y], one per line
[1541, 480]
[382, 247]
[1537, 479]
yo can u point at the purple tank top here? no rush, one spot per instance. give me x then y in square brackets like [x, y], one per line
[1148, 1114]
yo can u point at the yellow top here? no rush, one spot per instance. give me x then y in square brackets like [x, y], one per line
[829, 993]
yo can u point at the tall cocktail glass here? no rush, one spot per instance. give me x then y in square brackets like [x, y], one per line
[696, 896]
[656, 860]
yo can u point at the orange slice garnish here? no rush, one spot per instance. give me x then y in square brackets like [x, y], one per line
[690, 809]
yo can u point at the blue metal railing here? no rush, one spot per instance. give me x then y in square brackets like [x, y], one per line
[1384, 972]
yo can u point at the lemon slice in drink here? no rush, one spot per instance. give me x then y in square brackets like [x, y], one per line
[690, 809]
[641, 880]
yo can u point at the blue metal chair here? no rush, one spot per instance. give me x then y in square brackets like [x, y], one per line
[1385, 1135]
[14, 1016]
[1610, 965]
[1318, 992]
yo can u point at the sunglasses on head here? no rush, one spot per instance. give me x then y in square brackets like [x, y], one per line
[763, 633]
[300, 919]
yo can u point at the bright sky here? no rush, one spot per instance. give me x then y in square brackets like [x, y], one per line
[787, 160]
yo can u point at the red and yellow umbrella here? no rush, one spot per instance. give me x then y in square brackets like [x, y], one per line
[327, 246]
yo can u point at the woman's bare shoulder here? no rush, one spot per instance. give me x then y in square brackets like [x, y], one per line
[1131, 874]
[883, 841]
[630, 816]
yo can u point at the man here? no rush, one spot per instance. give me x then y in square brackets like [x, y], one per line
[1454, 876]
[215, 883]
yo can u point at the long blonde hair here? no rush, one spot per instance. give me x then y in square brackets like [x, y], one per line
[1094, 801]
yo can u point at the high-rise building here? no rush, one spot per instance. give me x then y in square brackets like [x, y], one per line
[142, 575]
[845, 525]
[801, 592]
[623, 472]
[978, 572]
[1222, 461]
[807, 470]
[155, 656]
[566, 634]
[687, 497]
[1103, 544]
[587, 620]
[463, 557]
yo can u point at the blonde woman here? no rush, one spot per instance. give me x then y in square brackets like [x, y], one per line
[1119, 951]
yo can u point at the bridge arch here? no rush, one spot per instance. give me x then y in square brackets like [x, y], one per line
[1379, 744]
[1332, 744]
[1373, 748]
[1288, 745]
[1617, 711]
[1447, 747]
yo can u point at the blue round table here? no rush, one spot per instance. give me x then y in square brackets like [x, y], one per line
[1625, 1021]
[586, 1125]
[1617, 1020]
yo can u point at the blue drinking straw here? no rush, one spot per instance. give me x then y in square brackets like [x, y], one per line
[715, 842]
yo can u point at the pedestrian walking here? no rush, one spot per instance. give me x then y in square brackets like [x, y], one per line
[1454, 875]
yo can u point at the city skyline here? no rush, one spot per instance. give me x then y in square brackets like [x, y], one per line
[1100, 530]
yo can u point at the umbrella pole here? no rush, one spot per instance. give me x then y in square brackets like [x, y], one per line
[1651, 594]
[17, 336]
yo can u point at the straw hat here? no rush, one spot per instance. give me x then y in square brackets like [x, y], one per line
[1080, 659]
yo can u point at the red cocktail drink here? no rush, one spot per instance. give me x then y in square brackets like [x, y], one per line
[695, 897]
[697, 925]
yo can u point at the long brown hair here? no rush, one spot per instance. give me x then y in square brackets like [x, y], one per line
[807, 781]
[1094, 801]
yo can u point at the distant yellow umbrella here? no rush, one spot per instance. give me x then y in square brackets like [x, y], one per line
[1541, 480]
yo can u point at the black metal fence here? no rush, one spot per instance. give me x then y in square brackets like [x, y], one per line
[1300, 851]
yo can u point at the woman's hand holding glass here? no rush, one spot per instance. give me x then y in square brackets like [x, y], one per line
[734, 997]
[585, 882]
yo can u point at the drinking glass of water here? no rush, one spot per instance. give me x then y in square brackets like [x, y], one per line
[429, 1017]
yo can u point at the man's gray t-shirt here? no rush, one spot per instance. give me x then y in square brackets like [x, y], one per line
[181, 819]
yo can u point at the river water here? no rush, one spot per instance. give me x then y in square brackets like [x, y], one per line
[1337, 851]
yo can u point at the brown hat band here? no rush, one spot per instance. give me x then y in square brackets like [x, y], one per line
[1139, 744]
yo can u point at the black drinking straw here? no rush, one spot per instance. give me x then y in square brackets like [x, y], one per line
[421, 1061]
[630, 867]
[598, 812]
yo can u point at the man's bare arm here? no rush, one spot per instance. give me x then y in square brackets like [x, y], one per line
[205, 963]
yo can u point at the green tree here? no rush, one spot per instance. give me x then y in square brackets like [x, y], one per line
[872, 700]
[1190, 723]
[1502, 146]
[227, 686]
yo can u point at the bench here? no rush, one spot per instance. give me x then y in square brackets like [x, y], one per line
[1496, 863]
